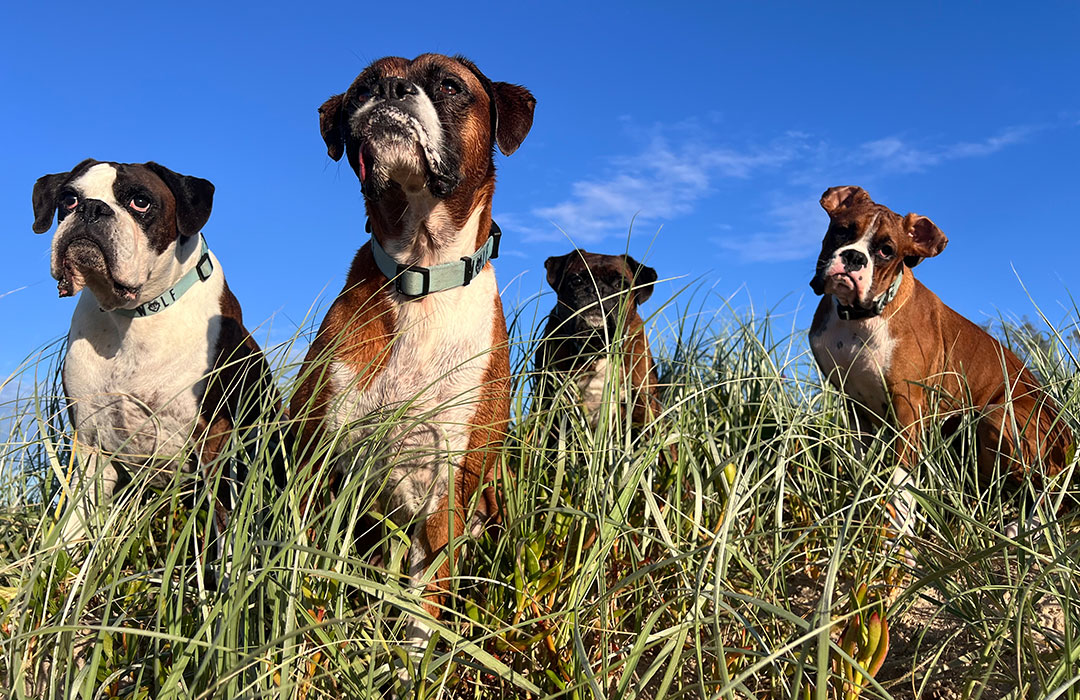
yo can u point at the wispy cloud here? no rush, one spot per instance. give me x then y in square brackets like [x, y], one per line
[658, 183]
[794, 232]
[895, 154]
[682, 168]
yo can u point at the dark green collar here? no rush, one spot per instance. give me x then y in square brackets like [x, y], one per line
[416, 281]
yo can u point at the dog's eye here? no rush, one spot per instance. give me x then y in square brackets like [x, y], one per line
[449, 87]
[139, 203]
[69, 201]
[363, 92]
[886, 252]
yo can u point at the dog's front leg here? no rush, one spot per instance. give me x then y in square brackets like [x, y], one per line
[430, 535]
[90, 483]
[907, 408]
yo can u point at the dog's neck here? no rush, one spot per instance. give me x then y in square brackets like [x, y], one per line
[424, 233]
[169, 267]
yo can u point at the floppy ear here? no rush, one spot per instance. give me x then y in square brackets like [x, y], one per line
[330, 126]
[514, 106]
[644, 279]
[927, 240]
[555, 266]
[194, 198]
[46, 192]
[837, 198]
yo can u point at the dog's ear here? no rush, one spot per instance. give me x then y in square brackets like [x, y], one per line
[837, 198]
[927, 240]
[330, 126]
[555, 266]
[194, 198]
[644, 278]
[514, 107]
[46, 194]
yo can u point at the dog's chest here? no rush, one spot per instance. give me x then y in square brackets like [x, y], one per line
[417, 411]
[136, 386]
[594, 386]
[856, 356]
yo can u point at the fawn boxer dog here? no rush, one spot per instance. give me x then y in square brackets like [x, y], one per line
[597, 299]
[413, 353]
[159, 369]
[890, 344]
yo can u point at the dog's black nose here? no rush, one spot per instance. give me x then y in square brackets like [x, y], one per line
[853, 260]
[90, 210]
[396, 89]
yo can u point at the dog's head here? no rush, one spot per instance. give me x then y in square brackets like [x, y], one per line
[119, 224]
[866, 245]
[426, 126]
[592, 288]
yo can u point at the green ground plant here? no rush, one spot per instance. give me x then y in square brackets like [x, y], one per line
[745, 567]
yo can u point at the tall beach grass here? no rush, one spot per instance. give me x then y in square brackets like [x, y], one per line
[617, 571]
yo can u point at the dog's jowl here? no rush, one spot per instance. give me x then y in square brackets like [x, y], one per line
[159, 369]
[413, 353]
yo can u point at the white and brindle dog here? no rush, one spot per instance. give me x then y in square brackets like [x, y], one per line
[414, 350]
[159, 369]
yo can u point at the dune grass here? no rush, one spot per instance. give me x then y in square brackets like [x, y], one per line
[727, 572]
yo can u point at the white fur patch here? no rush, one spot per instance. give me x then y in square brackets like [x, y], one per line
[855, 355]
[595, 390]
[862, 279]
[136, 385]
[428, 389]
[133, 257]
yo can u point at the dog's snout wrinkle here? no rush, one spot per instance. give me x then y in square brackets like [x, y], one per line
[90, 210]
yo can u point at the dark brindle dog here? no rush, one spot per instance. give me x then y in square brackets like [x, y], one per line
[596, 310]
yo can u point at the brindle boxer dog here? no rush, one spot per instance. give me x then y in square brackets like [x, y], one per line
[159, 370]
[413, 353]
[596, 310]
[890, 344]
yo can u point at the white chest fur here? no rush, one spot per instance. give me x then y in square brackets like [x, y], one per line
[416, 413]
[136, 385]
[595, 384]
[855, 356]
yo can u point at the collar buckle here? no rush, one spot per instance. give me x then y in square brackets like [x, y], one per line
[204, 260]
[496, 238]
[400, 277]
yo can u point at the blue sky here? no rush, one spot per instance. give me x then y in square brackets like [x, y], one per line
[716, 126]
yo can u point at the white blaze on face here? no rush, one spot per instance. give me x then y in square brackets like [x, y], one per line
[851, 287]
[403, 160]
[124, 237]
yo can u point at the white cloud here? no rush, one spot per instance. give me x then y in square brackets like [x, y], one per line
[659, 183]
[893, 154]
[795, 231]
[680, 169]
[792, 228]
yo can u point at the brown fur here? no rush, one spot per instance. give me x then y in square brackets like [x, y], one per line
[943, 363]
[359, 331]
[240, 375]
